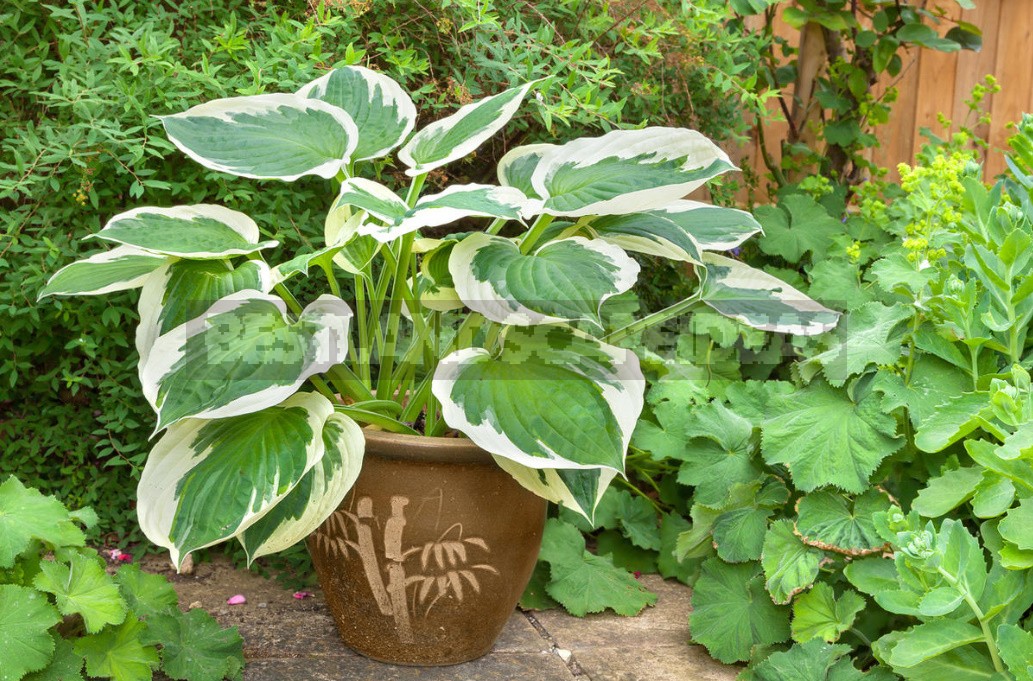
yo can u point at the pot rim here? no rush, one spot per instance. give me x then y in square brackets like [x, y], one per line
[425, 448]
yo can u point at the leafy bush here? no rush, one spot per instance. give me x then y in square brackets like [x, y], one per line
[60, 613]
[79, 144]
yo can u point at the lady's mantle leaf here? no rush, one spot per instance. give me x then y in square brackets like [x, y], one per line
[146, 594]
[830, 521]
[815, 661]
[25, 617]
[25, 514]
[825, 438]
[872, 334]
[790, 566]
[731, 611]
[819, 613]
[583, 582]
[83, 587]
[66, 665]
[119, 653]
[195, 647]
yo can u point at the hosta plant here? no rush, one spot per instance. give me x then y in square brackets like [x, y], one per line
[62, 613]
[495, 329]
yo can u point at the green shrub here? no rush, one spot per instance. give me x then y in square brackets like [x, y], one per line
[80, 81]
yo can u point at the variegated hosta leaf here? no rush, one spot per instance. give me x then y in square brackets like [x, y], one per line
[279, 136]
[580, 490]
[184, 289]
[119, 269]
[434, 285]
[758, 299]
[715, 228]
[552, 398]
[317, 495]
[208, 481]
[649, 233]
[518, 165]
[455, 136]
[562, 280]
[340, 229]
[197, 232]
[458, 201]
[244, 354]
[383, 112]
[626, 171]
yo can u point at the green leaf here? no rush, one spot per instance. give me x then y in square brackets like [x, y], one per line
[948, 491]
[626, 171]
[382, 111]
[895, 273]
[518, 165]
[830, 521]
[147, 595]
[83, 587]
[812, 661]
[624, 554]
[195, 648]
[672, 525]
[279, 136]
[961, 664]
[933, 381]
[66, 664]
[245, 355]
[119, 269]
[318, 494]
[872, 334]
[563, 280]
[825, 438]
[952, 420]
[930, 639]
[760, 300]
[739, 533]
[797, 226]
[731, 611]
[551, 398]
[820, 614]
[192, 494]
[834, 282]
[25, 618]
[535, 596]
[198, 232]
[790, 566]
[455, 136]
[1016, 526]
[638, 521]
[25, 515]
[872, 575]
[584, 583]
[119, 652]
[1016, 648]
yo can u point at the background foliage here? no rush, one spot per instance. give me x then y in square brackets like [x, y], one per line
[82, 81]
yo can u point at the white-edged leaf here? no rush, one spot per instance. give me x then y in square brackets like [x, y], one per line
[192, 492]
[551, 398]
[278, 136]
[517, 166]
[714, 228]
[317, 495]
[562, 280]
[120, 269]
[184, 289]
[372, 197]
[244, 354]
[626, 171]
[649, 233]
[760, 300]
[196, 232]
[456, 202]
[340, 229]
[579, 489]
[455, 136]
[383, 112]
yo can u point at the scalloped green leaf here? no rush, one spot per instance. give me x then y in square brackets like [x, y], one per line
[25, 620]
[82, 587]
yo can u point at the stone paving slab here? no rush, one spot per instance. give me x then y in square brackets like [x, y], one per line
[295, 640]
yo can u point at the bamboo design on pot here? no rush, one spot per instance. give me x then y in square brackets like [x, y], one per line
[406, 593]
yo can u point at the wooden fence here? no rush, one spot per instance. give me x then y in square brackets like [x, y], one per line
[931, 83]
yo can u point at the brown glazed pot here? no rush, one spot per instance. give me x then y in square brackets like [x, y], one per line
[429, 553]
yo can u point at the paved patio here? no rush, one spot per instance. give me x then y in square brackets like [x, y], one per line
[295, 640]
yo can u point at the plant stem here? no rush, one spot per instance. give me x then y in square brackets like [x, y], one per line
[364, 348]
[658, 317]
[639, 492]
[978, 612]
[373, 418]
[496, 226]
[323, 388]
[535, 233]
[292, 303]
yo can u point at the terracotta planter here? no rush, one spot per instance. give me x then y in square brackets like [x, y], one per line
[428, 554]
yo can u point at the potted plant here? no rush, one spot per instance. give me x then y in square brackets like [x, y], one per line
[267, 409]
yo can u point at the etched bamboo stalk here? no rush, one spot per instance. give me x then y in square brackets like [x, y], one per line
[393, 529]
[368, 556]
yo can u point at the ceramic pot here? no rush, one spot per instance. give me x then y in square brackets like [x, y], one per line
[429, 553]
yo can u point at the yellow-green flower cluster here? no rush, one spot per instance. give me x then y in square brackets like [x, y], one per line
[935, 192]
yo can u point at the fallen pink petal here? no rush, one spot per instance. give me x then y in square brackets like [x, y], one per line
[236, 600]
[301, 595]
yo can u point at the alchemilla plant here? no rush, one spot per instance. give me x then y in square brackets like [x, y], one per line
[495, 330]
